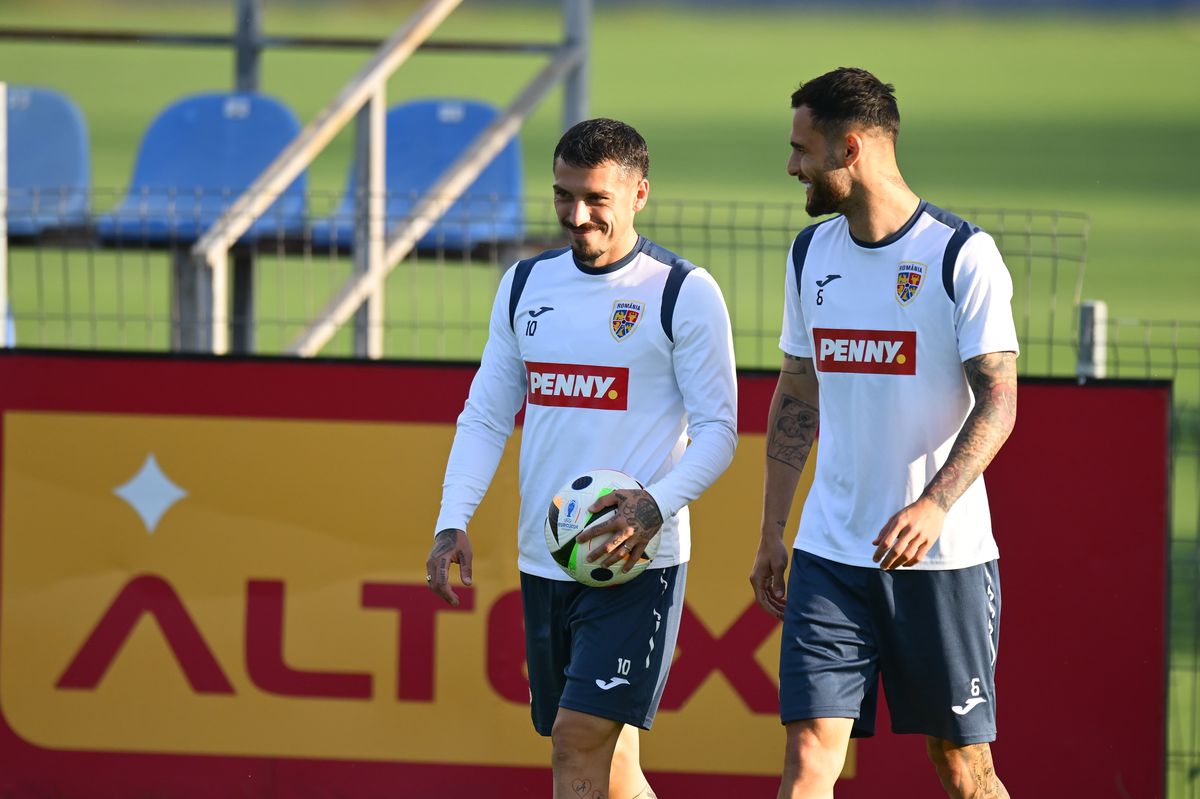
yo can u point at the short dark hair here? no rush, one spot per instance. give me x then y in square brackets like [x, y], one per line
[848, 96]
[594, 142]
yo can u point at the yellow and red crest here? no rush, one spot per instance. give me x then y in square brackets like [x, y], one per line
[909, 275]
[625, 317]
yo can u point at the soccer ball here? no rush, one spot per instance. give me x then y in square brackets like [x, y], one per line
[568, 516]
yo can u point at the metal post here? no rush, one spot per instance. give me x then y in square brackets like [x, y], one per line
[248, 47]
[577, 23]
[6, 326]
[5, 317]
[241, 323]
[1092, 361]
[191, 303]
[370, 153]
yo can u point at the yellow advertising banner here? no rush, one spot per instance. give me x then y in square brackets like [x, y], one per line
[255, 587]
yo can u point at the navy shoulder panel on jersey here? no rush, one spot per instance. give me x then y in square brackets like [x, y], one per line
[680, 267]
[800, 250]
[521, 277]
[963, 230]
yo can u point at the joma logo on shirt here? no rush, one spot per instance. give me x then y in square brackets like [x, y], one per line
[880, 352]
[567, 385]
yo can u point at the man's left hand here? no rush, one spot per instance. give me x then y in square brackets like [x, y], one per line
[909, 535]
[636, 521]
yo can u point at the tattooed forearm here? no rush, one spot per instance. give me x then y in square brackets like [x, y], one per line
[793, 431]
[993, 380]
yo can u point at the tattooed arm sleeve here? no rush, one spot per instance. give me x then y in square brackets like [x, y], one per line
[791, 430]
[993, 379]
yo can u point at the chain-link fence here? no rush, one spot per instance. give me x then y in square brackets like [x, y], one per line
[83, 283]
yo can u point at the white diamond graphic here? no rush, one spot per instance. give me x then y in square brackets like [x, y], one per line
[150, 492]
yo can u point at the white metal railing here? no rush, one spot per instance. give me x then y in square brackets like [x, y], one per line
[205, 292]
[368, 284]
[211, 252]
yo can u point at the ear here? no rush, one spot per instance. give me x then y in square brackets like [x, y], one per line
[641, 194]
[854, 148]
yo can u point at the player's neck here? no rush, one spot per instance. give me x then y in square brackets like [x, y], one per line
[619, 250]
[880, 209]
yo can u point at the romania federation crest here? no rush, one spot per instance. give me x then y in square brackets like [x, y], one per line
[625, 317]
[908, 280]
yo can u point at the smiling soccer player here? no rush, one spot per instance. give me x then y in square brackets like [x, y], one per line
[900, 345]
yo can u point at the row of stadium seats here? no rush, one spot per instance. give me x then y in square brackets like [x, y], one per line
[201, 152]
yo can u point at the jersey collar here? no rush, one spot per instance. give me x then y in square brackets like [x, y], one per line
[895, 237]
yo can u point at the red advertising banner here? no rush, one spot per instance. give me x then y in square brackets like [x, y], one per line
[211, 584]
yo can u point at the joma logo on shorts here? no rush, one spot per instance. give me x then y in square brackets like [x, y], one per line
[887, 352]
[577, 386]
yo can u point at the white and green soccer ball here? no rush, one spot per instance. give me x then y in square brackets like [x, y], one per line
[568, 516]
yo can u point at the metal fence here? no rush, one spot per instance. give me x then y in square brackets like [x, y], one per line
[71, 286]
[1139, 348]
[97, 284]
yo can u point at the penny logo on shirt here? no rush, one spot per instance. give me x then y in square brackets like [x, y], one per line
[625, 317]
[908, 280]
[569, 385]
[875, 352]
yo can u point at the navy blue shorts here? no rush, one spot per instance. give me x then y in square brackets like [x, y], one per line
[601, 651]
[932, 635]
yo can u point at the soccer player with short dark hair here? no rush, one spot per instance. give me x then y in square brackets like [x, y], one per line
[899, 343]
[623, 356]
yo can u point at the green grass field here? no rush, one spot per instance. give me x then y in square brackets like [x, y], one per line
[1089, 114]
[1092, 114]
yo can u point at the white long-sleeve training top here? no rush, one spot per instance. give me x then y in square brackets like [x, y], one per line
[618, 368]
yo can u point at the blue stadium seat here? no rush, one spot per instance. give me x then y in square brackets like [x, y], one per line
[196, 158]
[423, 138]
[49, 169]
